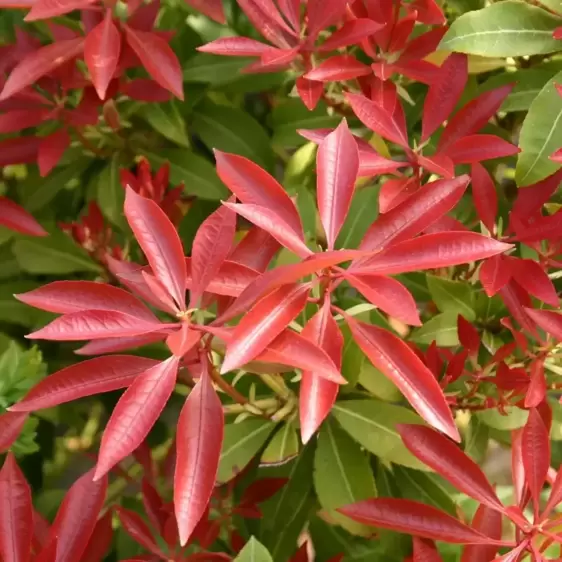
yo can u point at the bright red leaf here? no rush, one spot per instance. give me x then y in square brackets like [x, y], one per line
[16, 218]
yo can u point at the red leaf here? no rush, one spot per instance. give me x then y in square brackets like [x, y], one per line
[484, 196]
[417, 213]
[102, 374]
[255, 250]
[263, 323]
[76, 518]
[536, 393]
[16, 513]
[51, 150]
[309, 91]
[350, 33]
[19, 119]
[138, 530]
[494, 274]
[425, 551]
[322, 14]
[135, 414]
[235, 47]
[378, 119]
[468, 336]
[20, 150]
[11, 424]
[160, 242]
[548, 320]
[211, 8]
[340, 67]
[432, 251]
[266, 19]
[76, 296]
[153, 505]
[39, 63]
[403, 367]
[533, 279]
[211, 246]
[100, 540]
[253, 185]
[101, 53]
[261, 490]
[473, 116]
[438, 164]
[96, 324]
[291, 10]
[199, 442]
[158, 59]
[337, 167]
[413, 518]
[16, 218]
[429, 12]
[317, 394]
[395, 191]
[476, 148]
[444, 93]
[535, 446]
[114, 345]
[273, 59]
[387, 294]
[144, 90]
[489, 522]
[45, 9]
[555, 496]
[445, 458]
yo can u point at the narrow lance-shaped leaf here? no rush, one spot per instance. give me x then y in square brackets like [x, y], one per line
[11, 424]
[317, 395]
[102, 374]
[443, 456]
[340, 67]
[263, 323]
[403, 367]
[101, 53]
[211, 8]
[136, 413]
[160, 242]
[338, 166]
[444, 93]
[414, 518]
[425, 551]
[16, 513]
[16, 218]
[489, 522]
[549, 320]
[138, 530]
[484, 196]
[211, 246]
[51, 150]
[45, 9]
[198, 448]
[350, 33]
[477, 148]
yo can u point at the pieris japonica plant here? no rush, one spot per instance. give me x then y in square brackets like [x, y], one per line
[280, 280]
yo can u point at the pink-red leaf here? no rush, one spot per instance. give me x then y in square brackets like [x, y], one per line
[51, 150]
[136, 413]
[535, 448]
[489, 522]
[101, 53]
[96, 324]
[443, 456]
[494, 274]
[19, 119]
[211, 8]
[432, 251]
[231, 279]
[350, 33]
[114, 345]
[100, 541]
[263, 323]
[198, 447]
[403, 367]
[39, 63]
[549, 320]
[138, 530]
[317, 394]
[158, 59]
[16, 218]
[533, 279]
[476, 148]
[413, 518]
[75, 296]
[211, 246]
[11, 424]
[322, 14]
[340, 67]
[444, 93]
[484, 196]
[536, 393]
[16, 513]
[45, 9]
[235, 47]
[160, 242]
[309, 91]
[337, 164]
[468, 336]
[417, 213]
[102, 374]
[425, 551]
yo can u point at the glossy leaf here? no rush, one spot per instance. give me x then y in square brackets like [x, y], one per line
[340, 67]
[51, 150]
[402, 366]
[16, 218]
[102, 374]
[198, 449]
[135, 414]
[477, 148]
[349, 33]
[138, 530]
[338, 166]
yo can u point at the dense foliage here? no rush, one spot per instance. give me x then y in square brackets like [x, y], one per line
[311, 250]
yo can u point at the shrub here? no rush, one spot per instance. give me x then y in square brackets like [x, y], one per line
[311, 251]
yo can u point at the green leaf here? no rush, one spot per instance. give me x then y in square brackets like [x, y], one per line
[505, 29]
[55, 254]
[378, 384]
[20, 371]
[214, 69]
[197, 174]
[514, 418]
[476, 439]
[452, 296]
[342, 473]
[254, 551]
[442, 328]
[232, 130]
[283, 447]
[553, 5]
[14, 312]
[110, 192]
[372, 423]
[167, 120]
[241, 443]
[540, 136]
[362, 214]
